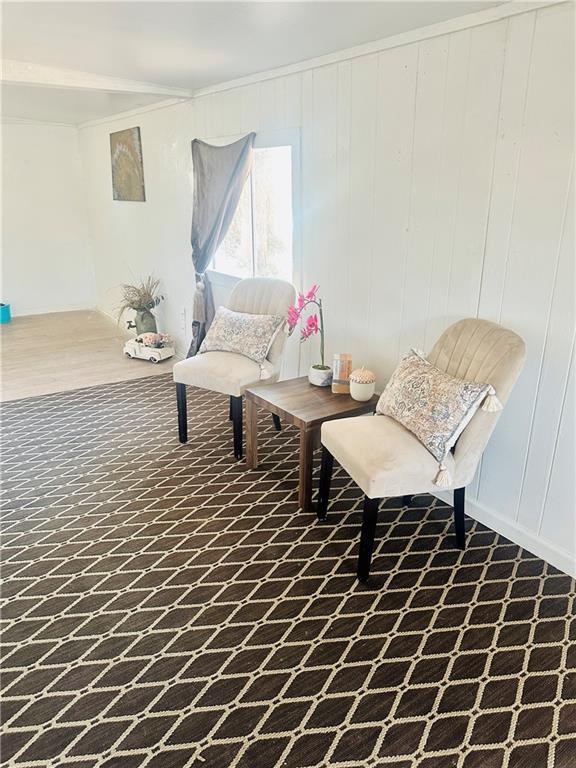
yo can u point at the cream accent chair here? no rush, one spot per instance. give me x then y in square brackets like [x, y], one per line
[230, 373]
[386, 460]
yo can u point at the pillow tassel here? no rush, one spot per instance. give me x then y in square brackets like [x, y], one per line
[491, 402]
[443, 478]
[264, 372]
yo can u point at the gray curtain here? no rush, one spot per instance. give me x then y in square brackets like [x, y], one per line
[219, 177]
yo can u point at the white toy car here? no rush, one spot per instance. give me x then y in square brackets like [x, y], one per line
[137, 348]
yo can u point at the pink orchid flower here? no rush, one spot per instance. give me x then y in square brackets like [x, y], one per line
[293, 316]
[312, 323]
[312, 292]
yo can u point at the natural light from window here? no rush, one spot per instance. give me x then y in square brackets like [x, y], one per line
[259, 241]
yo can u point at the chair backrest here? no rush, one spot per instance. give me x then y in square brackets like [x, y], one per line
[481, 351]
[264, 296]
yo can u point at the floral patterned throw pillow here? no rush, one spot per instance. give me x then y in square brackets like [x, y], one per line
[243, 333]
[433, 405]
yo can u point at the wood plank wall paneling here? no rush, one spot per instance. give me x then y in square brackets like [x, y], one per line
[424, 190]
[362, 224]
[536, 227]
[555, 399]
[451, 151]
[395, 100]
[339, 221]
[436, 183]
[557, 518]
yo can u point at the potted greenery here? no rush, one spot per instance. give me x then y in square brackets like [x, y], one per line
[142, 298]
[319, 374]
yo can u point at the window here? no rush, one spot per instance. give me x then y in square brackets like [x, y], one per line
[259, 241]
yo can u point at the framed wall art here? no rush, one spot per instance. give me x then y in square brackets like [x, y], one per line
[127, 165]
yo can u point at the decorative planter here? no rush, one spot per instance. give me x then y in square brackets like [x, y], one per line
[362, 384]
[320, 377]
[361, 392]
[145, 322]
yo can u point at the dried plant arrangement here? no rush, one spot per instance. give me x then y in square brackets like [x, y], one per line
[144, 295]
[142, 298]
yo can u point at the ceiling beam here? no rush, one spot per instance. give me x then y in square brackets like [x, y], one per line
[25, 73]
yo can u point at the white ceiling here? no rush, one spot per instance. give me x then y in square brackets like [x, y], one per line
[186, 45]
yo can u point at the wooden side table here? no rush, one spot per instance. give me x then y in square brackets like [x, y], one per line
[298, 402]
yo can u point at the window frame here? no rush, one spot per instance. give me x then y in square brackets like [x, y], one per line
[265, 140]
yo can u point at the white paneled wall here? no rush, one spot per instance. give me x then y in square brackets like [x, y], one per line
[436, 183]
[46, 249]
[132, 240]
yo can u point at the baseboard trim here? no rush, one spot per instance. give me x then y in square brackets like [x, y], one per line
[520, 535]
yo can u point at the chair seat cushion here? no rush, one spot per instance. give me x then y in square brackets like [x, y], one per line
[225, 372]
[382, 456]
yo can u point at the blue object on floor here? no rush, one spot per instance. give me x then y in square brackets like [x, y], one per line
[5, 315]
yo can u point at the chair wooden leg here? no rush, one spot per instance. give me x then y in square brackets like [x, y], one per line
[324, 485]
[369, 519]
[182, 413]
[276, 420]
[236, 408]
[407, 500]
[230, 409]
[459, 525]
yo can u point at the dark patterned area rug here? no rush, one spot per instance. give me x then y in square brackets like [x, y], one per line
[164, 607]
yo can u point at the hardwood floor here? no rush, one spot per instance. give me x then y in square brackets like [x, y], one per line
[62, 351]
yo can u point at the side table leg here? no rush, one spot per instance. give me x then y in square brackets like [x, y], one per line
[306, 467]
[251, 434]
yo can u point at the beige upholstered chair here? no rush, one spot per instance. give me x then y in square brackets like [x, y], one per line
[386, 460]
[230, 373]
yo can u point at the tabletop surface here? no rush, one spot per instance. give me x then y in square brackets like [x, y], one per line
[307, 404]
